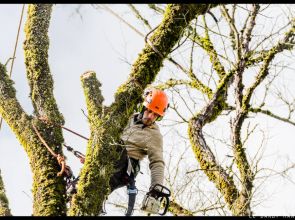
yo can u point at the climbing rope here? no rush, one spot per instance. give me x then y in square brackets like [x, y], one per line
[13, 57]
[46, 121]
[69, 148]
[60, 158]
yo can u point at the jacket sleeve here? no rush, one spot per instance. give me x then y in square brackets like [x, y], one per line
[155, 156]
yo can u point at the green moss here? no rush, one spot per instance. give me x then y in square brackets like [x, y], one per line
[48, 190]
[91, 87]
[46, 186]
[208, 46]
[4, 205]
[177, 210]
[224, 184]
[36, 48]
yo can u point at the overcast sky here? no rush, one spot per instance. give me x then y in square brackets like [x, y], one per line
[102, 43]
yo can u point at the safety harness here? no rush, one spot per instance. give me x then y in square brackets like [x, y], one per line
[71, 181]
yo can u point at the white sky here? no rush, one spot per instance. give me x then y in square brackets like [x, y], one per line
[98, 42]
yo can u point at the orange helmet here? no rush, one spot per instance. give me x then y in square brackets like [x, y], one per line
[156, 100]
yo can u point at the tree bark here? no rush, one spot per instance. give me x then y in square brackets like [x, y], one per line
[4, 205]
[48, 189]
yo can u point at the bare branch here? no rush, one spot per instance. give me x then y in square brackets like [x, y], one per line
[287, 43]
[139, 16]
[236, 36]
[156, 8]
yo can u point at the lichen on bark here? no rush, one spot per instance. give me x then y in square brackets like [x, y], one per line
[48, 189]
[4, 204]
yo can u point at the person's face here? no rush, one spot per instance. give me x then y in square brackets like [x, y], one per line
[149, 117]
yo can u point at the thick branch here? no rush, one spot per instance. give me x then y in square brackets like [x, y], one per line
[223, 182]
[242, 205]
[10, 109]
[36, 48]
[44, 167]
[4, 204]
[94, 98]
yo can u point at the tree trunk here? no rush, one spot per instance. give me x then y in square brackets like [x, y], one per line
[48, 189]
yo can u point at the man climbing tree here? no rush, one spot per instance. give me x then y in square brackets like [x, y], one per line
[106, 122]
[230, 49]
[142, 137]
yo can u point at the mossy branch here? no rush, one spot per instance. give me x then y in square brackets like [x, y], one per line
[36, 47]
[249, 25]
[149, 62]
[234, 32]
[206, 43]
[177, 210]
[223, 182]
[48, 190]
[10, 108]
[269, 113]
[94, 98]
[195, 84]
[242, 205]
[4, 204]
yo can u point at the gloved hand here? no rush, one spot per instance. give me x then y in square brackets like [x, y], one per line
[158, 190]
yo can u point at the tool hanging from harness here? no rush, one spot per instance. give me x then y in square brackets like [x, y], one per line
[154, 198]
[76, 153]
[72, 180]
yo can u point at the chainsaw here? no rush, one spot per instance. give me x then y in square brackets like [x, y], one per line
[154, 199]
